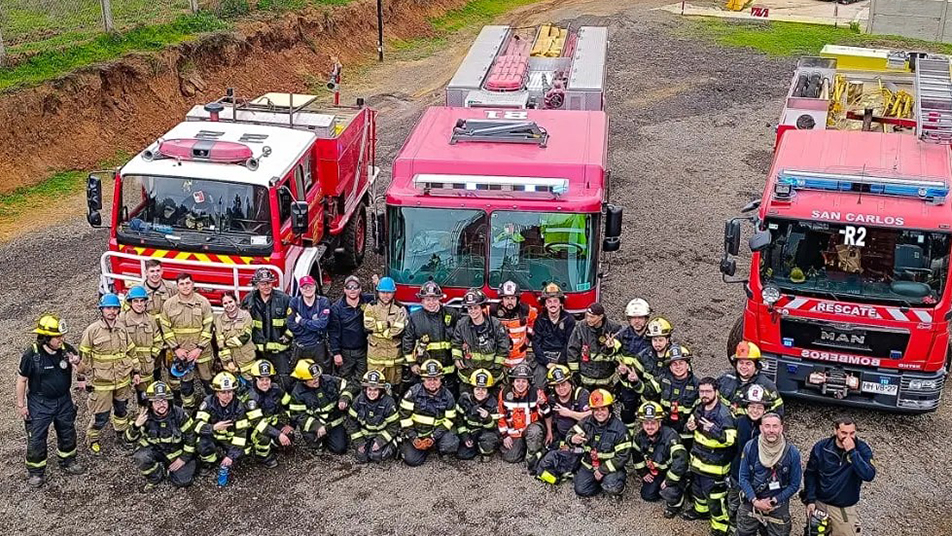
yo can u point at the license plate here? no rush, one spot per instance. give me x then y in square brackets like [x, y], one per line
[880, 389]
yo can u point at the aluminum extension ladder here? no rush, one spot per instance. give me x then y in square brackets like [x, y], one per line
[933, 99]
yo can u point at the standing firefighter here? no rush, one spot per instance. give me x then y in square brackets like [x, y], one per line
[678, 392]
[769, 477]
[159, 290]
[659, 332]
[478, 417]
[711, 454]
[165, 443]
[186, 322]
[373, 421]
[605, 448]
[480, 341]
[593, 349]
[519, 321]
[523, 423]
[429, 333]
[384, 322]
[347, 337]
[427, 413]
[319, 405]
[267, 412]
[43, 397]
[143, 331]
[634, 339]
[308, 321]
[222, 426]
[270, 308]
[108, 355]
[552, 331]
[732, 385]
[660, 459]
[233, 337]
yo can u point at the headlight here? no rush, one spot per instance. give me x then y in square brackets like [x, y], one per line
[923, 385]
[770, 294]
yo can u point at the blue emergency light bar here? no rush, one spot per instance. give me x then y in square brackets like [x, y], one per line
[929, 190]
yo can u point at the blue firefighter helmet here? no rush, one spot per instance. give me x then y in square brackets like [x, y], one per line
[109, 300]
[386, 285]
[181, 367]
[137, 292]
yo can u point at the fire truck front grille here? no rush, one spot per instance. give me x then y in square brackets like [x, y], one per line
[858, 340]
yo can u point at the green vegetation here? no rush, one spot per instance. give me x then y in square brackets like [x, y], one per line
[793, 39]
[52, 63]
[474, 13]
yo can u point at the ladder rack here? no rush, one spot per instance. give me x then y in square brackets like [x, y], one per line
[933, 84]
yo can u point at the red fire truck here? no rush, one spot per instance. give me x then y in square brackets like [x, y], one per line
[849, 295]
[278, 182]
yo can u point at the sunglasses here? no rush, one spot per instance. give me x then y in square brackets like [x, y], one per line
[352, 287]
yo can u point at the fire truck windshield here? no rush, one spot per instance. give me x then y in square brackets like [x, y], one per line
[856, 262]
[231, 215]
[446, 245]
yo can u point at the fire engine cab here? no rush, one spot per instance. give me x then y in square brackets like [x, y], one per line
[278, 182]
[849, 294]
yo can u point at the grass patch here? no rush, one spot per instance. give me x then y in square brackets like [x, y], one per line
[793, 39]
[52, 63]
[475, 12]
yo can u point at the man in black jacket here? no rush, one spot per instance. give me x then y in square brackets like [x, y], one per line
[270, 308]
[347, 336]
[553, 328]
[836, 470]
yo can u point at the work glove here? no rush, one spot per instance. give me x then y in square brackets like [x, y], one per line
[423, 443]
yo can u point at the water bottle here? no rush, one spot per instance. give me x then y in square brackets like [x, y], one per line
[223, 476]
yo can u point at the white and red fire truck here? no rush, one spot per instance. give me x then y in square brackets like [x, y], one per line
[849, 295]
[279, 182]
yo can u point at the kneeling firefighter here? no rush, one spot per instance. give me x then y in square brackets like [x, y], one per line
[222, 426]
[427, 413]
[164, 438]
[318, 405]
[478, 417]
[267, 405]
[373, 422]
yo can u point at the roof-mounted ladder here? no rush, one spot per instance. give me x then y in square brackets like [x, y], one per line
[499, 131]
[933, 99]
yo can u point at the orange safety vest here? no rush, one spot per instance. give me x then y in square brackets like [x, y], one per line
[519, 329]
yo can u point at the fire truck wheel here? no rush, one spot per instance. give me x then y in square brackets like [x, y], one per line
[736, 335]
[355, 240]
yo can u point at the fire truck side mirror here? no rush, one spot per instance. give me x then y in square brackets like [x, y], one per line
[732, 237]
[94, 200]
[613, 217]
[299, 218]
[380, 238]
[759, 241]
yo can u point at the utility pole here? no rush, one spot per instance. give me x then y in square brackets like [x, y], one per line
[107, 15]
[379, 30]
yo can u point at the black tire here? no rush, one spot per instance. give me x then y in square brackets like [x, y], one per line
[736, 335]
[354, 240]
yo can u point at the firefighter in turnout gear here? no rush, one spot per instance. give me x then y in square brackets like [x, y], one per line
[233, 338]
[678, 392]
[715, 435]
[552, 331]
[605, 448]
[636, 385]
[429, 334]
[385, 321]
[480, 341]
[523, 422]
[659, 332]
[109, 359]
[319, 405]
[427, 416]
[478, 417]
[164, 438]
[43, 398]
[143, 331]
[593, 349]
[568, 403]
[221, 424]
[159, 290]
[634, 338]
[732, 385]
[186, 323]
[270, 309]
[660, 459]
[519, 321]
[267, 407]
[373, 422]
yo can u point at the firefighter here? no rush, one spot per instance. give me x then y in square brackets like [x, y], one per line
[270, 309]
[373, 422]
[43, 397]
[479, 341]
[593, 349]
[165, 442]
[221, 424]
[715, 435]
[159, 290]
[568, 403]
[308, 321]
[678, 395]
[186, 323]
[552, 331]
[635, 387]
[755, 401]
[346, 335]
[605, 448]
[660, 459]
[108, 357]
[478, 416]
[746, 363]
[518, 319]
[769, 477]
[384, 322]
[634, 338]
[233, 332]
[523, 422]
[319, 405]
[267, 406]
[427, 414]
[659, 332]
[143, 331]
[429, 333]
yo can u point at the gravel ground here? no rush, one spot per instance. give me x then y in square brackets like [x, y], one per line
[691, 141]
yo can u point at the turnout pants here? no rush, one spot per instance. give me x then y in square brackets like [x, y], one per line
[444, 441]
[282, 365]
[483, 442]
[673, 496]
[61, 413]
[752, 523]
[154, 466]
[528, 447]
[100, 403]
[335, 440]
[368, 454]
[587, 486]
[710, 500]
[208, 448]
[558, 465]
[844, 521]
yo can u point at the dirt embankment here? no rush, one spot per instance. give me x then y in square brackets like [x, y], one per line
[88, 116]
